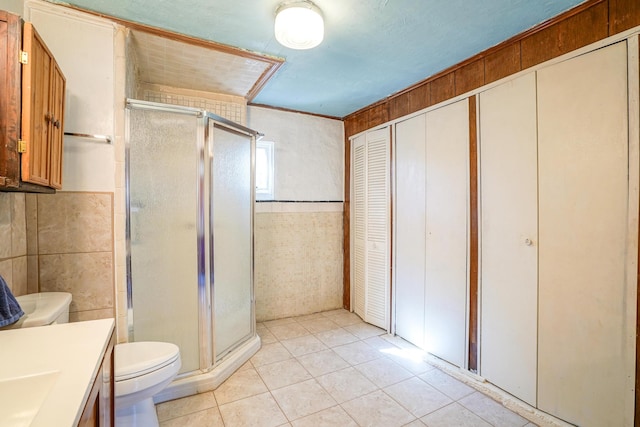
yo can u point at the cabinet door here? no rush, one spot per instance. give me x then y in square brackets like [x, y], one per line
[409, 237]
[36, 108]
[509, 236]
[57, 134]
[587, 310]
[447, 154]
[10, 40]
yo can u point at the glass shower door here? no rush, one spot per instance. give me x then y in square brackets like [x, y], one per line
[164, 169]
[232, 216]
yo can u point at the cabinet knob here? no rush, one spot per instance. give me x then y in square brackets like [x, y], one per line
[56, 124]
[528, 242]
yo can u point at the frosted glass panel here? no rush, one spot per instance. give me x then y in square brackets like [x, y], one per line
[163, 183]
[231, 207]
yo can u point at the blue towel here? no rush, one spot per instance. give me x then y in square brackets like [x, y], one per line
[10, 311]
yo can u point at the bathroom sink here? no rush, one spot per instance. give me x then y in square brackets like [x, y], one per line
[21, 397]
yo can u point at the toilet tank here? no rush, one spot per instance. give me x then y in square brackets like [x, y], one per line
[44, 308]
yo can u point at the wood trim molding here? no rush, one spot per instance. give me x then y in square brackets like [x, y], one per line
[488, 52]
[262, 81]
[473, 236]
[346, 229]
[637, 391]
[273, 63]
[288, 110]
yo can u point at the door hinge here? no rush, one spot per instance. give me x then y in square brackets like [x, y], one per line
[24, 57]
[22, 146]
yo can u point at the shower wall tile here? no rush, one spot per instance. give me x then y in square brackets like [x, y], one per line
[13, 242]
[31, 214]
[19, 276]
[33, 282]
[122, 331]
[6, 271]
[75, 222]
[298, 263]
[18, 225]
[120, 221]
[5, 225]
[121, 299]
[81, 316]
[87, 276]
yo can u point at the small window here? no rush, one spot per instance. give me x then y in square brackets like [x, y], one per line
[264, 170]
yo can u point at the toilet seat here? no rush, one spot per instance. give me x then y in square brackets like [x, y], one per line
[141, 358]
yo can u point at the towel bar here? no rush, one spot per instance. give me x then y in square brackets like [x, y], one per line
[105, 138]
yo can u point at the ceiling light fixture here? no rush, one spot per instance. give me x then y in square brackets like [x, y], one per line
[299, 25]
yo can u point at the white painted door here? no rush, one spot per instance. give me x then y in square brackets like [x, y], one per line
[377, 292]
[409, 236]
[358, 222]
[447, 159]
[371, 225]
[587, 313]
[509, 236]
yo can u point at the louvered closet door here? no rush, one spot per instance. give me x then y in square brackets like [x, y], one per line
[586, 348]
[409, 232]
[377, 229]
[370, 225]
[509, 236]
[447, 153]
[358, 222]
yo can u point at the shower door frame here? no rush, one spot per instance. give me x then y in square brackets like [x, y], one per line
[204, 202]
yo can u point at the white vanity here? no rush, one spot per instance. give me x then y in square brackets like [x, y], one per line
[57, 375]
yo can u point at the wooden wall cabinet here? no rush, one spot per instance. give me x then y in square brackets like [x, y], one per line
[99, 410]
[31, 110]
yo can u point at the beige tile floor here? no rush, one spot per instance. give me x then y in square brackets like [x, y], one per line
[332, 369]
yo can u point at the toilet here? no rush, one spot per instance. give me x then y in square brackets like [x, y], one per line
[42, 309]
[142, 369]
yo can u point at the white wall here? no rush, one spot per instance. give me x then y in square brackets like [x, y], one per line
[309, 153]
[13, 6]
[84, 48]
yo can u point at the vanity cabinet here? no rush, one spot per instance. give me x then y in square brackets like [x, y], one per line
[99, 410]
[32, 98]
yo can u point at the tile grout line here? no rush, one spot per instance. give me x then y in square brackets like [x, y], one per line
[362, 337]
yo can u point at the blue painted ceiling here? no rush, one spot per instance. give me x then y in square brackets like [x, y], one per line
[372, 48]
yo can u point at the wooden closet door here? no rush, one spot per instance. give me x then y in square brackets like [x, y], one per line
[509, 237]
[409, 233]
[587, 311]
[447, 154]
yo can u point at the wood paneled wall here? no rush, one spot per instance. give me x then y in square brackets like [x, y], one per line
[585, 24]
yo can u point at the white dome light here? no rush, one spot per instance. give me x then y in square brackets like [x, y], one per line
[299, 25]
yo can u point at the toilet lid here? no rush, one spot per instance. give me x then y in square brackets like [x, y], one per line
[138, 358]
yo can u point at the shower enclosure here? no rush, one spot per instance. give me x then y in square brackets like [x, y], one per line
[190, 198]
